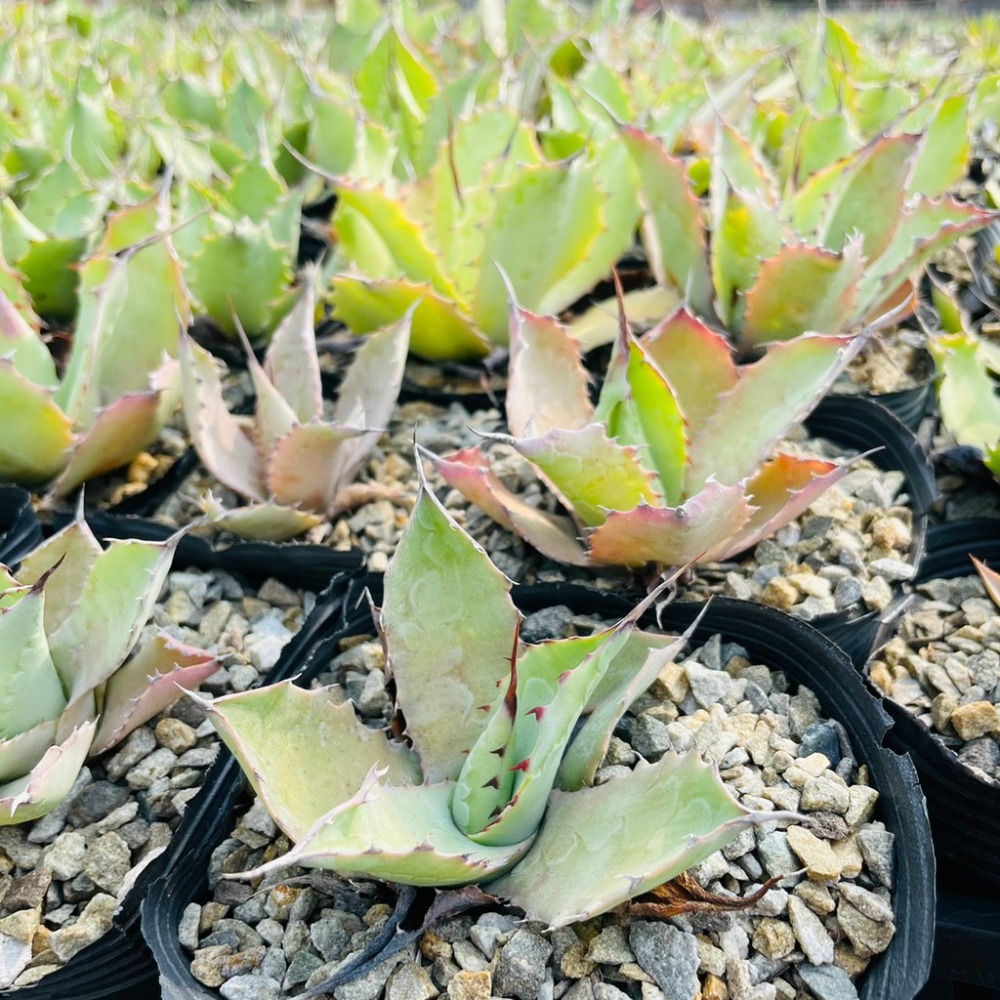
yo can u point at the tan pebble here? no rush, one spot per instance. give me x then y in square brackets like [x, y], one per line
[142, 467]
[817, 855]
[876, 593]
[816, 896]
[211, 913]
[796, 776]
[714, 989]
[941, 708]
[846, 958]
[35, 974]
[814, 765]
[780, 593]
[774, 938]
[881, 676]
[205, 967]
[671, 683]
[891, 533]
[175, 735]
[574, 964]
[635, 972]
[863, 799]
[470, 986]
[848, 854]
[40, 943]
[431, 946]
[975, 719]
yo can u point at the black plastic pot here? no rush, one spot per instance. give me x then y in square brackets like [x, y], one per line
[858, 422]
[119, 966]
[20, 531]
[769, 635]
[964, 810]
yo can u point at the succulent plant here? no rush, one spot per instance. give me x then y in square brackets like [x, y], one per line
[495, 781]
[490, 199]
[833, 254]
[68, 688]
[672, 465]
[967, 395]
[295, 467]
[119, 383]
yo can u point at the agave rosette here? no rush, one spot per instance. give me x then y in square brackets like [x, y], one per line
[295, 467]
[120, 381]
[673, 465]
[68, 622]
[494, 781]
[491, 198]
[835, 253]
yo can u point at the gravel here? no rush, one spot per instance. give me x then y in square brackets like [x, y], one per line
[943, 665]
[811, 936]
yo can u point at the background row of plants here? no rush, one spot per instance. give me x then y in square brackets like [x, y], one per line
[793, 182]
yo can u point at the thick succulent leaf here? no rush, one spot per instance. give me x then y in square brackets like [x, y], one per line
[37, 435]
[20, 753]
[368, 392]
[943, 156]
[737, 164]
[589, 472]
[781, 490]
[622, 838]
[639, 409]
[803, 289]
[241, 272]
[547, 383]
[448, 622]
[672, 228]
[871, 200]
[771, 395]
[375, 233]
[74, 549]
[554, 535]
[643, 306]
[115, 602]
[635, 666]
[746, 232]
[924, 229]
[30, 687]
[274, 416]
[264, 522]
[307, 464]
[399, 834]
[119, 432]
[671, 536]
[79, 394]
[990, 578]
[218, 436]
[49, 782]
[439, 329]
[146, 684]
[555, 682]
[305, 752]
[967, 396]
[23, 344]
[555, 231]
[291, 363]
[155, 300]
[696, 361]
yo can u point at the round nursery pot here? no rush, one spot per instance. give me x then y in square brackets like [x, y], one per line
[119, 966]
[767, 635]
[859, 422]
[20, 531]
[964, 806]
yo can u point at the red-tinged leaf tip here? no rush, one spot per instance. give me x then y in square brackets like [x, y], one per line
[524, 766]
[499, 752]
[536, 712]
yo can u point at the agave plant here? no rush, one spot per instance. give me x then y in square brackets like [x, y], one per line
[119, 383]
[295, 467]
[967, 398]
[495, 781]
[491, 198]
[836, 252]
[68, 688]
[672, 465]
